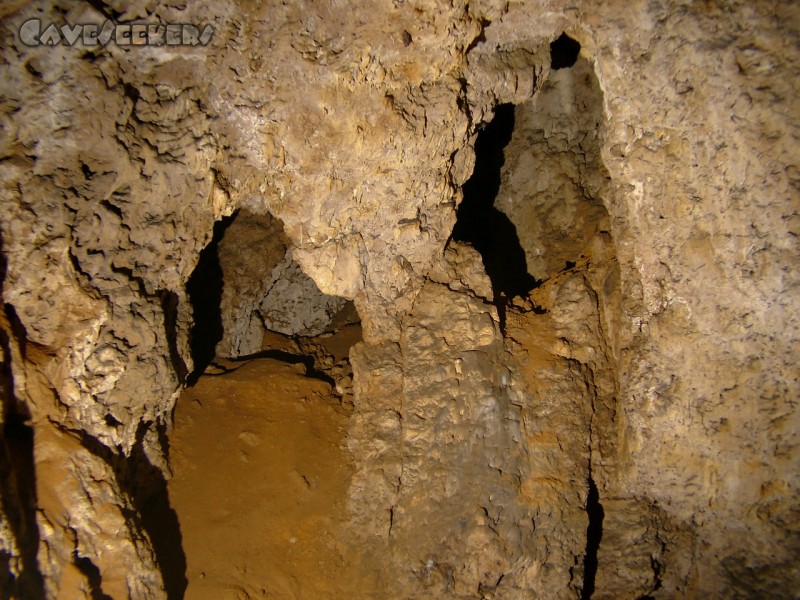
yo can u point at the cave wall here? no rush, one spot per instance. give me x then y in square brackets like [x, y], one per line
[263, 288]
[659, 369]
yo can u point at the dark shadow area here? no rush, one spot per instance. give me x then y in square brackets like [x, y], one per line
[563, 52]
[18, 498]
[92, 574]
[103, 8]
[481, 36]
[169, 306]
[19, 501]
[486, 228]
[594, 534]
[204, 289]
[282, 356]
[146, 488]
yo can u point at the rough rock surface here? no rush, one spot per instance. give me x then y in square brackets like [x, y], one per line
[263, 288]
[629, 428]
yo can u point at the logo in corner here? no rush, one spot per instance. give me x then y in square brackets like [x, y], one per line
[34, 33]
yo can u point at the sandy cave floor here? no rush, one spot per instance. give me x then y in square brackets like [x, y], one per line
[260, 477]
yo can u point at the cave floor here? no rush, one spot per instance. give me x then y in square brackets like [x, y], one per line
[260, 478]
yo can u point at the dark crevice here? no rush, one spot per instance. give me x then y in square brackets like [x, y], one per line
[104, 9]
[92, 574]
[594, 534]
[145, 487]
[112, 208]
[132, 94]
[111, 420]
[481, 37]
[204, 289]
[463, 105]
[33, 70]
[563, 52]
[87, 172]
[658, 569]
[18, 498]
[486, 228]
[19, 333]
[287, 357]
[19, 502]
[151, 499]
[169, 306]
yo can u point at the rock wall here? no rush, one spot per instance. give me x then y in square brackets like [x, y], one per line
[263, 288]
[625, 429]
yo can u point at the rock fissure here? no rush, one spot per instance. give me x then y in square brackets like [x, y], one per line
[93, 576]
[148, 511]
[594, 535]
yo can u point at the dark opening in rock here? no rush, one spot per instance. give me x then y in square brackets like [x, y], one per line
[205, 294]
[266, 290]
[483, 226]
[594, 534]
[563, 52]
[257, 448]
[553, 177]
[19, 502]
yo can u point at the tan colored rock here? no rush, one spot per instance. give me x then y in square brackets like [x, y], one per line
[659, 368]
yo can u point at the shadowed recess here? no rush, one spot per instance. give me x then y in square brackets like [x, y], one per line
[563, 52]
[483, 226]
[169, 306]
[18, 498]
[594, 534]
[204, 289]
[283, 356]
[145, 486]
[92, 574]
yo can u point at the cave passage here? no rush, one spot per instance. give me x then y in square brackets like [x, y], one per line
[564, 52]
[204, 289]
[483, 226]
[260, 473]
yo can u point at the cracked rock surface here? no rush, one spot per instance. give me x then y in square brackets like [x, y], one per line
[622, 423]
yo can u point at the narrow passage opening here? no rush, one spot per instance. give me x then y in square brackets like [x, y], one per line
[483, 226]
[594, 534]
[204, 289]
[258, 449]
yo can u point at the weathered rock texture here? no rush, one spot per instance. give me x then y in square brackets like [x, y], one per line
[264, 289]
[627, 428]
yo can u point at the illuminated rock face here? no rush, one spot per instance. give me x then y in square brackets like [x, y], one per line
[597, 397]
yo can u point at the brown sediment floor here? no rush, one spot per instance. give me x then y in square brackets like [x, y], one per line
[261, 474]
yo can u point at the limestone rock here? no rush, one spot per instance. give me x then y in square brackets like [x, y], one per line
[623, 423]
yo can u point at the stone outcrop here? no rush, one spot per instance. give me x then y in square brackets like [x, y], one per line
[264, 289]
[612, 417]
